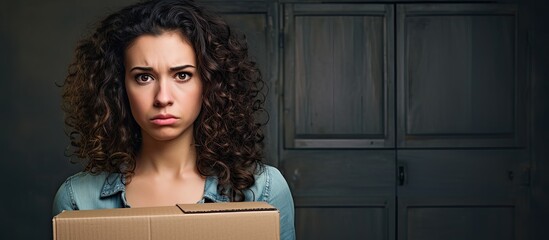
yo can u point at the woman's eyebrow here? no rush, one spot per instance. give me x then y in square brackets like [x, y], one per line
[146, 69]
[173, 69]
[177, 68]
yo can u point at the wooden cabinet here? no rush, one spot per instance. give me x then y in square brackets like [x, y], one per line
[395, 120]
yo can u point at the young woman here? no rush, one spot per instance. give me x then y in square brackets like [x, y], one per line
[161, 102]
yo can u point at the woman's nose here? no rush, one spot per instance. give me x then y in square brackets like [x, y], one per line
[163, 96]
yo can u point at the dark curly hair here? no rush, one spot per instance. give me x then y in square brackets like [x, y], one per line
[228, 137]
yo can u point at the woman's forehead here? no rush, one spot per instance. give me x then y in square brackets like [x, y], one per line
[170, 47]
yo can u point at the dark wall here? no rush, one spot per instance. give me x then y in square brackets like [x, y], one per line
[539, 45]
[37, 39]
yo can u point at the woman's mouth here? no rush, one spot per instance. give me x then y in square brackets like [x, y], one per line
[164, 119]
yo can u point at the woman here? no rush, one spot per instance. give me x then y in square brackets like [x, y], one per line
[161, 102]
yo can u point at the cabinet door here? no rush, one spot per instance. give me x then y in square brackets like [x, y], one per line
[338, 76]
[461, 122]
[460, 76]
[337, 103]
[258, 21]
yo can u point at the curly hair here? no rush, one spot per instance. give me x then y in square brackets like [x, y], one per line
[102, 130]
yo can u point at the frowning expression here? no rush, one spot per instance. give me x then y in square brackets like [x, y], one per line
[163, 85]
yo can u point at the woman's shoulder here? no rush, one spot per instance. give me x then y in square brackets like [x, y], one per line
[83, 190]
[269, 182]
[94, 184]
[86, 180]
[268, 174]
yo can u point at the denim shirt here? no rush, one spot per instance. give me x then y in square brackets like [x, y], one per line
[84, 191]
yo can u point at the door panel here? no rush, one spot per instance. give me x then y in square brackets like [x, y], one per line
[338, 76]
[469, 58]
[342, 193]
[461, 194]
[329, 100]
[325, 173]
[458, 76]
[459, 222]
[345, 218]
[461, 173]
[342, 223]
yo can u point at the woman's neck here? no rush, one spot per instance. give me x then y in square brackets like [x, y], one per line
[173, 158]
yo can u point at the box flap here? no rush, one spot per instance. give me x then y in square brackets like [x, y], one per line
[120, 212]
[226, 207]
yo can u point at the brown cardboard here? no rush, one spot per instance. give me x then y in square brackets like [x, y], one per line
[242, 220]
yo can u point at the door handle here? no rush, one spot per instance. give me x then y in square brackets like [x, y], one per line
[401, 174]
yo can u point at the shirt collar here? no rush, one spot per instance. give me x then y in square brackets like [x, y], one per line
[114, 183]
[211, 192]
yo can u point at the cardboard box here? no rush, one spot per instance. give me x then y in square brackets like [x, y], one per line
[242, 220]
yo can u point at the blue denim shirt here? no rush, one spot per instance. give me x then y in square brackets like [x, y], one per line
[108, 190]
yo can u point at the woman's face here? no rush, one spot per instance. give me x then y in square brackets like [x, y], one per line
[163, 85]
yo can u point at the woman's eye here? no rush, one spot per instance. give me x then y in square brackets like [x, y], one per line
[183, 76]
[143, 78]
